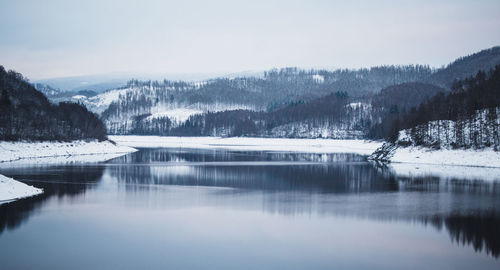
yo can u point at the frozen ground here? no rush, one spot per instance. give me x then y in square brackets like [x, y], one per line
[11, 189]
[420, 155]
[252, 144]
[11, 151]
[447, 172]
[60, 160]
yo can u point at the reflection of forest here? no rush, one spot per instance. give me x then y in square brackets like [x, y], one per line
[316, 173]
[164, 155]
[57, 181]
[479, 231]
[344, 185]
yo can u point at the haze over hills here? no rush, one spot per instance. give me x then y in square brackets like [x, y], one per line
[103, 82]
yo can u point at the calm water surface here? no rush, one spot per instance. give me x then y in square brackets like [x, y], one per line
[215, 209]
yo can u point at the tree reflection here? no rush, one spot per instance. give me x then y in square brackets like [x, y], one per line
[282, 183]
[56, 181]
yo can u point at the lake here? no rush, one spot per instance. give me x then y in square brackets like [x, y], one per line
[220, 209]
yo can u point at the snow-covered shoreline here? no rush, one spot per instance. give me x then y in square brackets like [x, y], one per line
[11, 189]
[447, 172]
[252, 144]
[486, 157]
[463, 157]
[11, 151]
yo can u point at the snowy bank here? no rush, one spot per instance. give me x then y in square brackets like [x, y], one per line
[486, 157]
[446, 172]
[11, 189]
[252, 144]
[60, 160]
[10, 151]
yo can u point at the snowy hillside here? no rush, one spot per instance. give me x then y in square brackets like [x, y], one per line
[158, 104]
[354, 124]
[474, 142]
[287, 102]
[479, 131]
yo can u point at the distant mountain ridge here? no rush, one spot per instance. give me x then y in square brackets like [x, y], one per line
[163, 107]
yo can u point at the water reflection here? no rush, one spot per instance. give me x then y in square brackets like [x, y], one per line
[468, 209]
[166, 155]
[288, 184]
[300, 172]
[479, 231]
[56, 181]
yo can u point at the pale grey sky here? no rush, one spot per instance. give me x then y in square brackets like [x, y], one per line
[57, 38]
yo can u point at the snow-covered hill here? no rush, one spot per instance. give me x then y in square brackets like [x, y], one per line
[472, 142]
[152, 102]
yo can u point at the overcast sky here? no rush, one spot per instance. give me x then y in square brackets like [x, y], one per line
[57, 38]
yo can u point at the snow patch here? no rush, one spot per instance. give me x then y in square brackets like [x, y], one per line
[466, 157]
[79, 97]
[178, 115]
[252, 144]
[60, 160]
[11, 189]
[358, 105]
[102, 101]
[446, 172]
[318, 78]
[10, 151]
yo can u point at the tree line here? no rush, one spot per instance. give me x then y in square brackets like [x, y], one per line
[329, 111]
[468, 116]
[26, 114]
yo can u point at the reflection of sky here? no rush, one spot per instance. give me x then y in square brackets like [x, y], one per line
[57, 38]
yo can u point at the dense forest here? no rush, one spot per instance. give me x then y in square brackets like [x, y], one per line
[26, 114]
[392, 102]
[332, 116]
[468, 116]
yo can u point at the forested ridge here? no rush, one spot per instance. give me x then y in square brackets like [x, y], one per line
[465, 67]
[26, 114]
[287, 102]
[468, 116]
[367, 103]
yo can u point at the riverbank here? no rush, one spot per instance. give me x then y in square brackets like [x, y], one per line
[11, 189]
[389, 152]
[252, 144]
[11, 151]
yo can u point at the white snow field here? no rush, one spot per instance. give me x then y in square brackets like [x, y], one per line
[445, 171]
[11, 151]
[60, 160]
[420, 155]
[252, 144]
[11, 189]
